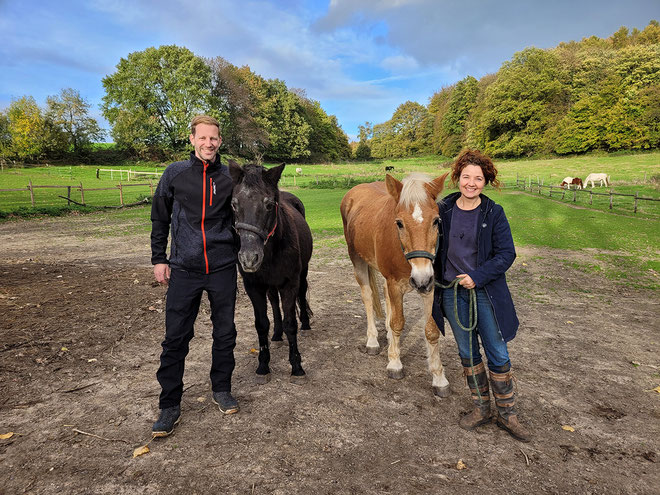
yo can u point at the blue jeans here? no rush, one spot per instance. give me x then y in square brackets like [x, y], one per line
[487, 330]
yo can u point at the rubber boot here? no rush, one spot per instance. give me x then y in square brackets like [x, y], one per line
[477, 381]
[505, 400]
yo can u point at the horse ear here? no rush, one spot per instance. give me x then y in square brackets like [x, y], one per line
[436, 186]
[235, 171]
[273, 174]
[393, 187]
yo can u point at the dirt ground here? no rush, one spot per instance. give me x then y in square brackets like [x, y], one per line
[81, 325]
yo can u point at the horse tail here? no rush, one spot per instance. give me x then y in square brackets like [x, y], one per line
[303, 310]
[375, 297]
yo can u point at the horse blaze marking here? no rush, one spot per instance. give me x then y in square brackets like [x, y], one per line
[417, 214]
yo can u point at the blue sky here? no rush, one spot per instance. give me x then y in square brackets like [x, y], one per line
[359, 58]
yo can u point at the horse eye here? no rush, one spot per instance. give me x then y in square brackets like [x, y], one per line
[436, 221]
[399, 223]
[268, 203]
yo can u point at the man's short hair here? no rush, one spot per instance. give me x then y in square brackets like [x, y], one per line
[203, 119]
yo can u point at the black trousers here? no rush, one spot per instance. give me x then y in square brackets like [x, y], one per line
[183, 298]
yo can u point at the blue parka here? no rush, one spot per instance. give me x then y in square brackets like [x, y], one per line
[495, 254]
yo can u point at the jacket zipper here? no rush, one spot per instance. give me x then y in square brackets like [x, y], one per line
[210, 191]
[206, 259]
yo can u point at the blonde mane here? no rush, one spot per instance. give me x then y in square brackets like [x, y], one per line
[413, 189]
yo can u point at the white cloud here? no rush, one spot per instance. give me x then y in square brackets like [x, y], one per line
[400, 63]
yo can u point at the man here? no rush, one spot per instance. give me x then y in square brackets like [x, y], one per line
[193, 200]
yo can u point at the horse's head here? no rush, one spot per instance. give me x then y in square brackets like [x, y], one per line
[418, 224]
[255, 201]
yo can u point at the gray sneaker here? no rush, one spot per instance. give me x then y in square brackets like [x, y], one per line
[168, 419]
[226, 403]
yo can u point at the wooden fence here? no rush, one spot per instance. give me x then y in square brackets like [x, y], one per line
[538, 186]
[81, 189]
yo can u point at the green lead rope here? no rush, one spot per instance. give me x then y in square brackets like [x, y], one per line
[472, 321]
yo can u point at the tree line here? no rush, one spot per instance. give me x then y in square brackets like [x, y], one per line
[595, 94]
[150, 100]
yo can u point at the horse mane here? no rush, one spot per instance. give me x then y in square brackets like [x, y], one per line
[413, 189]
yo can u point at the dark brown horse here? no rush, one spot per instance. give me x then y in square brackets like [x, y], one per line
[276, 246]
[392, 227]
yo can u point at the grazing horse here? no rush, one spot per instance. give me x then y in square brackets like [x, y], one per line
[566, 182]
[602, 178]
[577, 182]
[276, 246]
[393, 227]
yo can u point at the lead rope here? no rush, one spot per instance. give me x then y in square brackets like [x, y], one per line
[472, 321]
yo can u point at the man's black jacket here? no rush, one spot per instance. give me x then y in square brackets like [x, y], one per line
[193, 200]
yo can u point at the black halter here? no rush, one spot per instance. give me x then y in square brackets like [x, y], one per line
[421, 254]
[256, 230]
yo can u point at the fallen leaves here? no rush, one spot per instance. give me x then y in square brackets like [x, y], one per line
[461, 465]
[657, 389]
[144, 449]
[6, 436]
[568, 428]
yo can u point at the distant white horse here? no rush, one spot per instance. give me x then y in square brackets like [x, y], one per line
[604, 179]
[299, 171]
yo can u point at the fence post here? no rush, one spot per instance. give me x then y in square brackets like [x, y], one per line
[591, 196]
[121, 194]
[97, 173]
[82, 194]
[574, 194]
[563, 192]
[31, 192]
[68, 195]
[151, 187]
[636, 194]
[610, 199]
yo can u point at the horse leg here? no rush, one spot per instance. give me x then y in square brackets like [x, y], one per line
[394, 323]
[361, 269]
[257, 295]
[432, 332]
[288, 295]
[302, 300]
[274, 299]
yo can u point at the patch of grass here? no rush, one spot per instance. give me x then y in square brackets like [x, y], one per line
[27, 212]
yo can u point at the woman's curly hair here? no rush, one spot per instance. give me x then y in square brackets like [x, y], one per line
[475, 157]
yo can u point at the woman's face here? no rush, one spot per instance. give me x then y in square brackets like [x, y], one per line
[471, 182]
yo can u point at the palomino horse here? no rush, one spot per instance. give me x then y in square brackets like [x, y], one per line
[393, 227]
[276, 246]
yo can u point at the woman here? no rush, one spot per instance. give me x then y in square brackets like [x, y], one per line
[475, 252]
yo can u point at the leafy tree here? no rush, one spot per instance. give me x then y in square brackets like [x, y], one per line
[232, 90]
[69, 112]
[154, 94]
[26, 128]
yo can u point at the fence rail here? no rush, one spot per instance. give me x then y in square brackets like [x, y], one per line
[130, 173]
[80, 188]
[538, 186]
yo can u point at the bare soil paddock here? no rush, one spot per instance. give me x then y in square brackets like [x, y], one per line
[81, 325]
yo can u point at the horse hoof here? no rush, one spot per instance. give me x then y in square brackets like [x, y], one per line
[298, 379]
[442, 391]
[262, 379]
[305, 327]
[276, 338]
[395, 374]
[372, 351]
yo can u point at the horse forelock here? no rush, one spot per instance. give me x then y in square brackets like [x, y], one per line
[253, 179]
[413, 191]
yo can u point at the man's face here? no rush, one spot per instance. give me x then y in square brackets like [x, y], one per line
[206, 141]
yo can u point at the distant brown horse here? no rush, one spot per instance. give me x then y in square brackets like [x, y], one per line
[393, 227]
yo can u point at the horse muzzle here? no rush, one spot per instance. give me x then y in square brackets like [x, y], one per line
[250, 260]
[423, 287]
